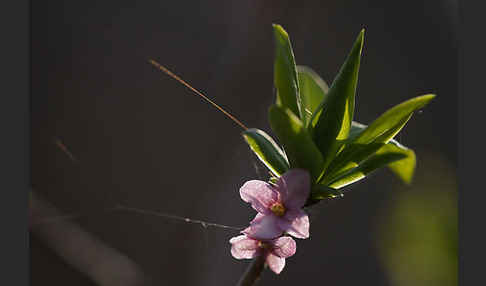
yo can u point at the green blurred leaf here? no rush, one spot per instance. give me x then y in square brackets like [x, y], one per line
[417, 232]
[297, 142]
[331, 122]
[266, 150]
[392, 121]
[285, 72]
[313, 91]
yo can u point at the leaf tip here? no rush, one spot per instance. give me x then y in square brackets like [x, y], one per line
[246, 133]
[408, 179]
[360, 40]
[279, 30]
[361, 33]
[426, 98]
[429, 96]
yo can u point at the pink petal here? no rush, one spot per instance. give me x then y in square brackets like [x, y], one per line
[259, 194]
[243, 247]
[284, 246]
[294, 188]
[275, 263]
[238, 238]
[264, 227]
[295, 223]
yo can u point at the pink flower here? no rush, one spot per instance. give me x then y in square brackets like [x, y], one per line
[275, 250]
[279, 208]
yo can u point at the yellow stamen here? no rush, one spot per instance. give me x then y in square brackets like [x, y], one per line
[278, 209]
[263, 245]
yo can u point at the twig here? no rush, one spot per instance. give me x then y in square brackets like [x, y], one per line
[253, 272]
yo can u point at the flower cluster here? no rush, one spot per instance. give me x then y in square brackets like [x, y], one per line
[279, 215]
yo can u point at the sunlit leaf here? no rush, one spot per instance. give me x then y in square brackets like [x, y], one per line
[313, 91]
[404, 168]
[297, 142]
[390, 154]
[392, 121]
[285, 72]
[266, 150]
[331, 122]
[353, 153]
[321, 192]
[362, 144]
[349, 158]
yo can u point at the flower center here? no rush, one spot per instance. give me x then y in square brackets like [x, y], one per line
[263, 245]
[278, 209]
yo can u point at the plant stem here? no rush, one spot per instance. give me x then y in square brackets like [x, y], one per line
[253, 272]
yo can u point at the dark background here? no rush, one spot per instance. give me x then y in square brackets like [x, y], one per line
[145, 141]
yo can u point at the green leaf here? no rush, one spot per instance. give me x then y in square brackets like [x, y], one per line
[313, 91]
[400, 159]
[404, 168]
[273, 180]
[321, 192]
[380, 159]
[349, 158]
[392, 121]
[285, 72]
[354, 154]
[331, 122]
[356, 129]
[266, 150]
[297, 142]
[382, 130]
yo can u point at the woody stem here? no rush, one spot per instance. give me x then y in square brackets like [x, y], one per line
[253, 272]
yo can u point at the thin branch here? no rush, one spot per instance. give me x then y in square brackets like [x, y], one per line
[253, 272]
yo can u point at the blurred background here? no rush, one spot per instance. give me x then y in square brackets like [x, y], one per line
[143, 140]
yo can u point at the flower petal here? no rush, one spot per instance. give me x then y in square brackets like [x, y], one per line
[243, 247]
[295, 223]
[264, 227]
[275, 263]
[235, 239]
[284, 246]
[294, 188]
[259, 194]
